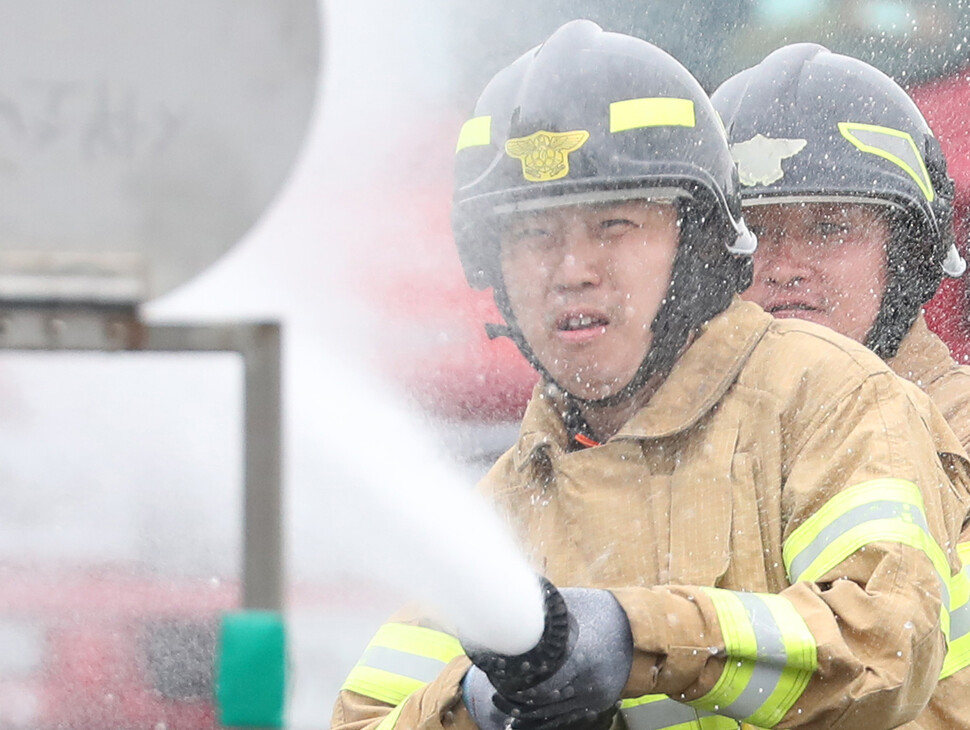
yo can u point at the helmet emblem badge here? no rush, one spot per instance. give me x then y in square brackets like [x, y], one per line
[759, 159]
[545, 155]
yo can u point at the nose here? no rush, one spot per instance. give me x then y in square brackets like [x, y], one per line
[582, 259]
[783, 263]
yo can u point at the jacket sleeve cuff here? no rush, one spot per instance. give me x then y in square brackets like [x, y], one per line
[677, 642]
[437, 705]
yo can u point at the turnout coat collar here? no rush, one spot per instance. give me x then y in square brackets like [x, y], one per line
[695, 385]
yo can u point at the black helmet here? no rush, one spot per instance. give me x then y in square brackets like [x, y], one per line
[806, 124]
[591, 116]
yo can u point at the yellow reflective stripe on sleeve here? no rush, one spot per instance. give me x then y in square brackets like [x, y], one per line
[380, 685]
[771, 656]
[889, 510]
[659, 712]
[891, 144]
[399, 660]
[651, 112]
[418, 640]
[476, 132]
[716, 722]
[390, 721]
[958, 649]
[963, 550]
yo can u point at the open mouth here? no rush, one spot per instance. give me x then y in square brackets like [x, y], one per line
[580, 322]
[792, 307]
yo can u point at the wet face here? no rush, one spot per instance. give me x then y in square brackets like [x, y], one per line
[822, 262]
[585, 283]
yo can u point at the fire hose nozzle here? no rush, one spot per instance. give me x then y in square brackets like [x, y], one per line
[509, 674]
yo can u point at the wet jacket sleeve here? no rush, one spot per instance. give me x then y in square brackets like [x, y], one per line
[409, 677]
[858, 638]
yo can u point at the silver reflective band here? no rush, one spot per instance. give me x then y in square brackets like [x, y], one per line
[660, 714]
[868, 512]
[420, 668]
[771, 661]
[960, 622]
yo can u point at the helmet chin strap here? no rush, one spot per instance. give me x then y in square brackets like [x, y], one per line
[911, 282]
[572, 415]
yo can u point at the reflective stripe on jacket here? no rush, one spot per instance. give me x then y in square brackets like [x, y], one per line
[923, 358]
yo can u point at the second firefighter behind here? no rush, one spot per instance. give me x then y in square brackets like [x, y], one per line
[847, 189]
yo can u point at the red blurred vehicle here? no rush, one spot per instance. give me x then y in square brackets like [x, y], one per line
[107, 649]
[943, 103]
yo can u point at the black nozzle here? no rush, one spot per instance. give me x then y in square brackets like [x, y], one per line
[510, 674]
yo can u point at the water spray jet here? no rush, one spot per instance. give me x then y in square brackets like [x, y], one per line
[513, 673]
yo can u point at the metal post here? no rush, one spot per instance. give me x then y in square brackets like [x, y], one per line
[58, 327]
[259, 344]
[263, 556]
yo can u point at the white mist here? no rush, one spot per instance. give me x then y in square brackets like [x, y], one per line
[417, 524]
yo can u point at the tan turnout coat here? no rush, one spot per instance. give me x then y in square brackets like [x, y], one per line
[923, 358]
[762, 430]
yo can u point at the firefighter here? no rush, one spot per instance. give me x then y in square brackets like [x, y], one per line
[753, 512]
[847, 189]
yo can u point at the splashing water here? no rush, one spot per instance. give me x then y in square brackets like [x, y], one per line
[416, 522]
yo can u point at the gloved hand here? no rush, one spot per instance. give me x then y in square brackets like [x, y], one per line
[584, 692]
[477, 692]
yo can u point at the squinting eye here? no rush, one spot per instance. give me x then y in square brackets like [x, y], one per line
[534, 239]
[530, 233]
[616, 226]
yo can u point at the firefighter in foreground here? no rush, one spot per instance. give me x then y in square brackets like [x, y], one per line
[847, 189]
[754, 510]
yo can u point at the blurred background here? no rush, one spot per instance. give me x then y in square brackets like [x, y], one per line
[121, 530]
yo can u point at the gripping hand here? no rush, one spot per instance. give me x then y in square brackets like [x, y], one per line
[584, 693]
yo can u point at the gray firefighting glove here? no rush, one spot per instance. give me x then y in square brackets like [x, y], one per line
[584, 692]
[477, 692]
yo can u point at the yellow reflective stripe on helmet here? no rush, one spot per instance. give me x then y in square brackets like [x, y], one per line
[390, 721]
[891, 144]
[958, 649]
[771, 656]
[659, 712]
[651, 112]
[889, 510]
[476, 132]
[399, 660]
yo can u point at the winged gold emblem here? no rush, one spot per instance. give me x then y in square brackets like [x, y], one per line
[545, 155]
